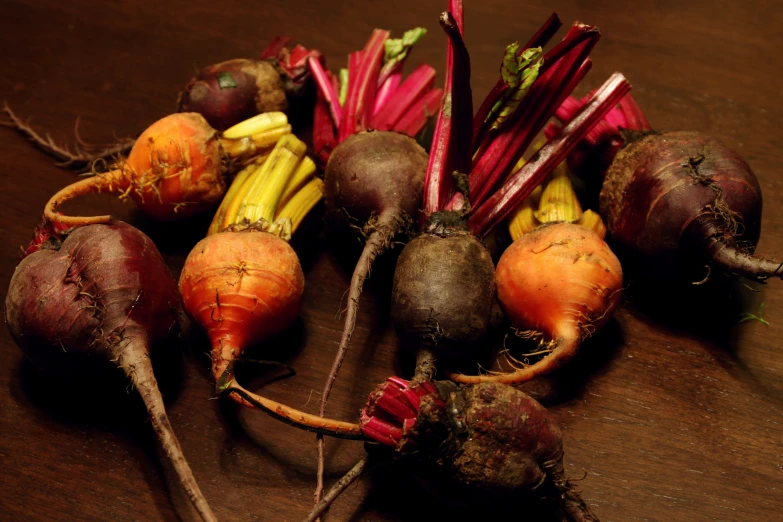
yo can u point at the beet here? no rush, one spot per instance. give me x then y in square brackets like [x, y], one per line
[229, 92]
[443, 291]
[103, 295]
[677, 201]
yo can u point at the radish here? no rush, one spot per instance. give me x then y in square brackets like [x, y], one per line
[178, 167]
[102, 294]
[243, 283]
[675, 201]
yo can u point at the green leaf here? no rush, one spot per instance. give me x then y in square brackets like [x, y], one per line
[343, 86]
[748, 316]
[397, 48]
[518, 72]
[226, 81]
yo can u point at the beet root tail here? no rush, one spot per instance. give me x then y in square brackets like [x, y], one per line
[380, 239]
[137, 366]
[565, 350]
[740, 262]
[562, 492]
[96, 183]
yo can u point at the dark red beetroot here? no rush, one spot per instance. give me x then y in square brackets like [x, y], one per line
[680, 200]
[481, 444]
[674, 201]
[103, 294]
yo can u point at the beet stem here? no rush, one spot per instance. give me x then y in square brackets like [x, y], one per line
[425, 366]
[136, 364]
[349, 478]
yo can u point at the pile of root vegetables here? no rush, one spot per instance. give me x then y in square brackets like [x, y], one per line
[479, 215]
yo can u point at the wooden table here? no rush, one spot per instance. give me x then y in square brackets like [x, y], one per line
[673, 413]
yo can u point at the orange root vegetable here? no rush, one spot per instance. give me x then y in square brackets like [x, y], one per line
[558, 283]
[243, 283]
[177, 168]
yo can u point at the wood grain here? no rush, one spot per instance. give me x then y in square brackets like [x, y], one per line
[673, 412]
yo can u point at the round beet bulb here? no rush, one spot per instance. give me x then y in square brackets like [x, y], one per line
[229, 92]
[682, 200]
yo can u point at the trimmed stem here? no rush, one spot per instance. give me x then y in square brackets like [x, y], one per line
[363, 85]
[414, 88]
[341, 485]
[135, 362]
[291, 416]
[107, 181]
[275, 46]
[327, 90]
[413, 121]
[386, 90]
[521, 183]
[563, 352]
[301, 203]
[451, 143]
[425, 366]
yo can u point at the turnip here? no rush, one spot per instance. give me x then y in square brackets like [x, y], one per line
[674, 201]
[179, 166]
[102, 294]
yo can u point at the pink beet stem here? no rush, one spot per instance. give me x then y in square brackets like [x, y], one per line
[386, 89]
[522, 182]
[414, 120]
[451, 142]
[540, 39]
[324, 139]
[546, 94]
[327, 90]
[363, 72]
[412, 89]
[635, 117]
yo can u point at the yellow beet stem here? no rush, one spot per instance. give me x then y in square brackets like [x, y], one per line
[259, 123]
[241, 148]
[523, 219]
[232, 193]
[263, 196]
[303, 173]
[592, 220]
[302, 203]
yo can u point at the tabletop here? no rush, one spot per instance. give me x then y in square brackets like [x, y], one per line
[671, 412]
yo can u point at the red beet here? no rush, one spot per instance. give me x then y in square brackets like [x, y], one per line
[680, 200]
[105, 294]
[229, 92]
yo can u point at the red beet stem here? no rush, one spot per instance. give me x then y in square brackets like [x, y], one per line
[363, 84]
[413, 121]
[136, 364]
[502, 149]
[451, 142]
[327, 90]
[324, 139]
[540, 39]
[415, 87]
[522, 182]
[275, 46]
[386, 90]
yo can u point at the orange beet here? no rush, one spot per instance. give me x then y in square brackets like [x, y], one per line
[242, 288]
[175, 170]
[559, 283]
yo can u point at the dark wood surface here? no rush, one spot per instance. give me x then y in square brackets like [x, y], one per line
[673, 412]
